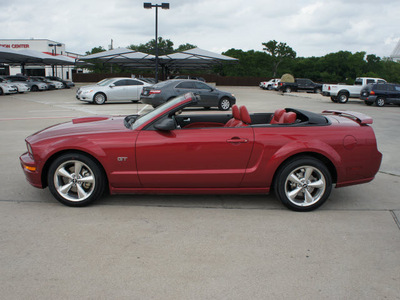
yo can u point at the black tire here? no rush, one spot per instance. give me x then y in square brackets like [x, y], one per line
[334, 99]
[34, 88]
[1, 91]
[99, 98]
[380, 101]
[303, 183]
[317, 91]
[288, 89]
[368, 103]
[269, 88]
[224, 104]
[343, 97]
[73, 189]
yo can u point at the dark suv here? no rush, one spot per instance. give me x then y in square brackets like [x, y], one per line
[300, 84]
[381, 94]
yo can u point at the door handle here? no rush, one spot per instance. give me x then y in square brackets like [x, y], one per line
[186, 120]
[236, 140]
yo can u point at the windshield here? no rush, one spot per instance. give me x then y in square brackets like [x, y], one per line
[151, 114]
[105, 82]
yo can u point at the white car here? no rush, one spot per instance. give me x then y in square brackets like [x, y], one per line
[112, 89]
[21, 87]
[7, 88]
[269, 85]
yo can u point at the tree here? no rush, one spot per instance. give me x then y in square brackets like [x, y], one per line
[185, 47]
[95, 50]
[279, 52]
[164, 47]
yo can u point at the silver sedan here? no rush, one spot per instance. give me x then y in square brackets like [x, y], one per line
[112, 89]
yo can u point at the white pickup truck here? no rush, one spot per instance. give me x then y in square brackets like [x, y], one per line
[342, 92]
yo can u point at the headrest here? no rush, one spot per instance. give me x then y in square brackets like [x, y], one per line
[244, 115]
[289, 117]
[277, 117]
[235, 112]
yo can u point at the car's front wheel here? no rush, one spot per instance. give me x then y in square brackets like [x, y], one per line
[224, 104]
[99, 98]
[303, 184]
[75, 179]
[34, 88]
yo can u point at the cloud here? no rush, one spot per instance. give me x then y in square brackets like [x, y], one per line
[310, 27]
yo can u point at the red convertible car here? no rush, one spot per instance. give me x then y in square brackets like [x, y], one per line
[299, 154]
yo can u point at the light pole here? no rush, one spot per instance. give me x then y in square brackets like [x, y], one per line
[55, 53]
[148, 5]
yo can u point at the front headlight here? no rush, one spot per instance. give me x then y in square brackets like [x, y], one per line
[87, 92]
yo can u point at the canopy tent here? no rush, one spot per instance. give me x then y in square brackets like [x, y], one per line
[195, 58]
[10, 56]
[48, 59]
[27, 56]
[122, 56]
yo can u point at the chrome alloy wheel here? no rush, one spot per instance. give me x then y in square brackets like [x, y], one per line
[305, 186]
[225, 104]
[74, 180]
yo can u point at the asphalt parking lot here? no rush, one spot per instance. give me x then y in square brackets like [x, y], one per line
[196, 247]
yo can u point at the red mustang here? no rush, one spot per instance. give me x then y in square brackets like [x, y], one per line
[298, 154]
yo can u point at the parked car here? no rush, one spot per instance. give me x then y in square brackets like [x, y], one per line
[169, 89]
[381, 94]
[300, 84]
[269, 85]
[189, 77]
[50, 84]
[340, 93]
[7, 88]
[55, 83]
[34, 85]
[112, 89]
[21, 87]
[66, 84]
[299, 154]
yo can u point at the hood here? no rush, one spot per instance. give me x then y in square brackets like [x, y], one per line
[81, 126]
[89, 87]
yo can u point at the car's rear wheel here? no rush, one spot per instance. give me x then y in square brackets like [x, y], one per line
[75, 179]
[317, 90]
[224, 104]
[343, 98]
[288, 89]
[303, 184]
[99, 98]
[380, 101]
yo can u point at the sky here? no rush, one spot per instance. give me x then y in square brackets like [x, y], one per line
[309, 27]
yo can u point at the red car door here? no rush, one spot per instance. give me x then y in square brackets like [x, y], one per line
[193, 158]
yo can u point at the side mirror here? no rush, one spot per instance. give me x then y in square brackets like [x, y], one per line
[112, 85]
[166, 124]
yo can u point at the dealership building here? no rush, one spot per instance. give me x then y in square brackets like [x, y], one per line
[46, 46]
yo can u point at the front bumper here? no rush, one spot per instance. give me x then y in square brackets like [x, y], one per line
[31, 170]
[10, 90]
